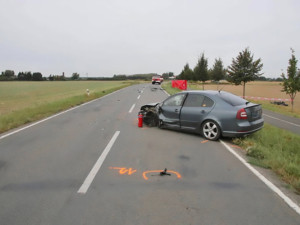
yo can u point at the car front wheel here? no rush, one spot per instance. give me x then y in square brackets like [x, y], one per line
[211, 130]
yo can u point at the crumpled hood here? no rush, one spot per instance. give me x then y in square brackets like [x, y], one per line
[150, 105]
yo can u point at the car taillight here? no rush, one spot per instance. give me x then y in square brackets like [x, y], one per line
[241, 114]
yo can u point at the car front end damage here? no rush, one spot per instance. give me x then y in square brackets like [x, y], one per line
[150, 114]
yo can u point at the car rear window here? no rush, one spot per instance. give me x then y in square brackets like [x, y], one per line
[231, 98]
[207, 102]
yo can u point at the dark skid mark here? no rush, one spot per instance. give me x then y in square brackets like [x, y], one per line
[46, 185]
[184, 157]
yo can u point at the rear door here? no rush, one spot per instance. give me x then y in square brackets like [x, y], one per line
[194, 110]
[170, 110]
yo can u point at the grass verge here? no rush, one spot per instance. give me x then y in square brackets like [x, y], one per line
[275, 149]
[26, 115]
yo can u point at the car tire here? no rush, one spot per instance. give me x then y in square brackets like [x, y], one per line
[211, 130]
[160, 124]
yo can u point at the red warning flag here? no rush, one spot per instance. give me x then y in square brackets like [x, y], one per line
[181, 84]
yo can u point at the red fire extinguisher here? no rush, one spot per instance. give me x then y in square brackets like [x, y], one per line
[140, 116]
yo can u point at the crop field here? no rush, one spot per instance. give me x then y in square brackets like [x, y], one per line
[24, 102]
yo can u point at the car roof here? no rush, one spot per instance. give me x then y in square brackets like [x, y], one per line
[211, 92]
[224, 95]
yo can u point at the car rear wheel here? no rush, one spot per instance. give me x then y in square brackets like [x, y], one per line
[211, 130]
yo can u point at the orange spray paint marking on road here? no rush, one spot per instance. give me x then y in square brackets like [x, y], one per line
[158, 171]
[202, 142]
[235, 146]
[124, 170]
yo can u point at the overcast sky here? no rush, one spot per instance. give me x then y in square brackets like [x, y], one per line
[106, 37]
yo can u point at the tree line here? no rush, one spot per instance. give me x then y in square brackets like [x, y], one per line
[9, 75]
[244, 68]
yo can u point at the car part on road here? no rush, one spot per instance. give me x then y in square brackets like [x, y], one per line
[164, 173]
[279, 103]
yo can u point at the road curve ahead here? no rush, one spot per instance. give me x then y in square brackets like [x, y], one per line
[93, 165]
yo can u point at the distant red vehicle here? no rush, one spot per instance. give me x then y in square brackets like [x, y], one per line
[157, 79]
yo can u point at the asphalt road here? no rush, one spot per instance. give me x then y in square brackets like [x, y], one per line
[284, 122]
[93, 165]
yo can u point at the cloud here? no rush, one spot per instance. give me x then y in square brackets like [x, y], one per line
[103, 38]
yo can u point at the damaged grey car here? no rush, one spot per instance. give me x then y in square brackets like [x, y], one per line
[212, 114]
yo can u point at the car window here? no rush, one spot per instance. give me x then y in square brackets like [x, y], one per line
[232, 99]
[207, 102]
[194, 100]
[175, 100]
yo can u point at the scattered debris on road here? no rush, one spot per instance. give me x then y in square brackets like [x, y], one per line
[164, 173]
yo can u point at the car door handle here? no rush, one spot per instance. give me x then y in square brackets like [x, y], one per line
[202, 111]
[176, 110]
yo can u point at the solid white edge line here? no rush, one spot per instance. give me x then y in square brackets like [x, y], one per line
[287, 200]
[166, 92]
[89, 179]
[131, 109]
[282, 120]
[55, 115]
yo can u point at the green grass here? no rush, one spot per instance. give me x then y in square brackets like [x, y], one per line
[168, 88]
[276, 149]
[25, 102]
[271, 147]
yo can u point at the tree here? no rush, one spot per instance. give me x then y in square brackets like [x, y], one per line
[75, 76]
[120, 77]
[291, 83]
[37, 76]
[218, 72]
[28, 75]
[201, 70]
[186, 73]
[166, 76]
[24, 76]
[21, 76]
[244, 69]
[7, 75]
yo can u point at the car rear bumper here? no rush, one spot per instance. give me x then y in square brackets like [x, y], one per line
[244, 130]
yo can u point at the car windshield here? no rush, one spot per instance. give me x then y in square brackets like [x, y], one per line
[232, 99]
